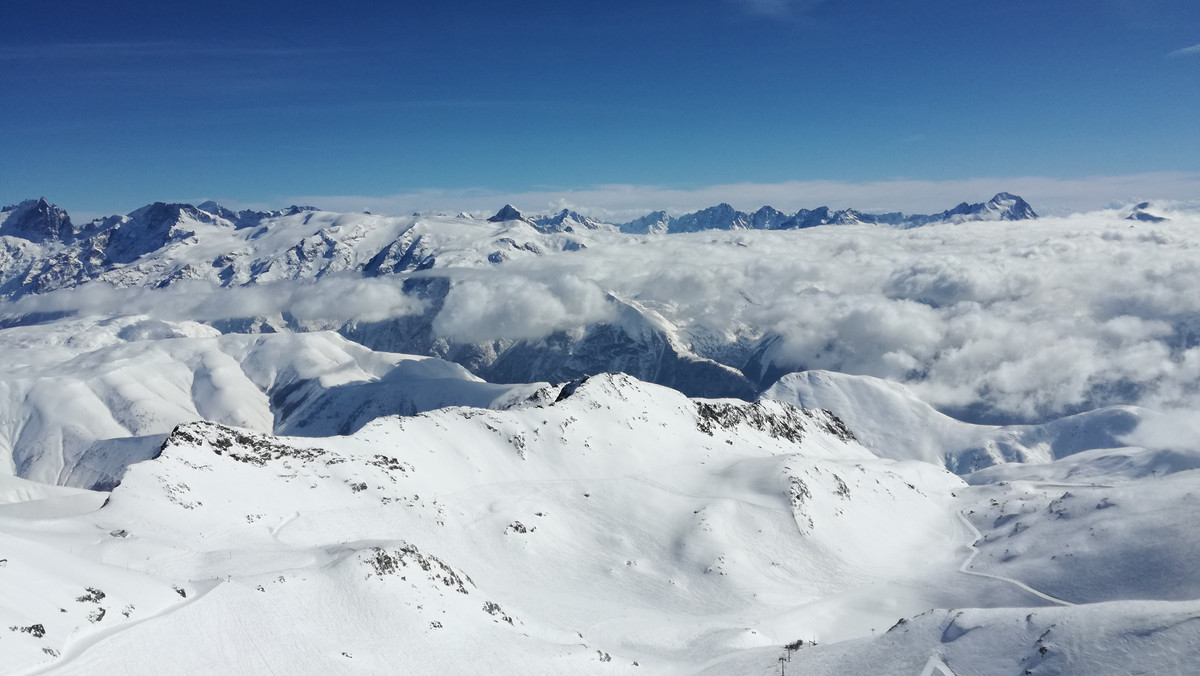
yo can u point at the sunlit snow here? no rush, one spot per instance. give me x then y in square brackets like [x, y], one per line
[311, 442]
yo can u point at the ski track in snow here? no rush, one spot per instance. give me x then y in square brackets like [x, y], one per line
[965, 567]
[280, 526]
[936, 664]
[76, 648]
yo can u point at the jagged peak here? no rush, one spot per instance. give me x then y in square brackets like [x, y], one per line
[722, 208]
[565, 221]
[164, 214]
[507, 213]
[1011, 207]
[297, 209]
[37, 220]
[1003, 206]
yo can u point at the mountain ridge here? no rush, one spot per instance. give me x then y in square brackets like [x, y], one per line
[39, 220]
[1003, 206]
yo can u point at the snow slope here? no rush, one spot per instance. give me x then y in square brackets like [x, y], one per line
[81, 400]
[623, 520]
[891, 421]
[591, 528]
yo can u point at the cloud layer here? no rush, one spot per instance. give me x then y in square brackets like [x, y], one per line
[484, 307]
[1013, 320]
[1017, 320]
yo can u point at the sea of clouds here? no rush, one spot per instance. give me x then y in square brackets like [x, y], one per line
[1017, 321]
[993, 320]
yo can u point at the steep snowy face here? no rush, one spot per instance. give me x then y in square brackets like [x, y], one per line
[720, 217]
[890, 420]
[1009, 207]
[568, 221]
[1146, 213]
[507, 213]
[152, 228]
[37, 221]
[80, 401]
[1002, 207]
[653, 223]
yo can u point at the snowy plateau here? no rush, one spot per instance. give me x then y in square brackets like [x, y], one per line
[721, 442]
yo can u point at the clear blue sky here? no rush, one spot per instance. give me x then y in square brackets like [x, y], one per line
[107, 106]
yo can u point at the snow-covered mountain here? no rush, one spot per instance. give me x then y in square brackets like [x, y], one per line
[518, 298]
[128, 382]
[608, 526]
[162, 245]
[37, 221]
[894, 423]
[713, 313]
[42, 250]
[1003, 206]
[304, 441]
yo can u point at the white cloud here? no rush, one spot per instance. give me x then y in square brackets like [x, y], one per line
[620, 203]
[1027, 320]
[487, 306]
[1186, 51]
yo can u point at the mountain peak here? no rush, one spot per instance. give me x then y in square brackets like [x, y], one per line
[508, 213]
[1140, 213]
[38, 221]
[159, 213]
[1011, 207]
[212, 207]
[566, 221]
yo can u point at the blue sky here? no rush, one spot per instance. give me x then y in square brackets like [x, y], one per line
[108, 106]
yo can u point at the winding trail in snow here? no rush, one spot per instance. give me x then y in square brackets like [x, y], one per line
[935, 664]
[76, 647]
[966, 565]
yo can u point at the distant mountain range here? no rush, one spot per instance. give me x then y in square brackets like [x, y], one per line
[161, 245]
[40, 221]
[1003, 207]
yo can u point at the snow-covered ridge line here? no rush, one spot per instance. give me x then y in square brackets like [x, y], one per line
[1002, 207]
[38, 220]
